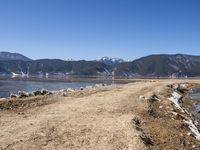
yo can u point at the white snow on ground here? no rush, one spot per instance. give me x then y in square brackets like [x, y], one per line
[175, 99]
[193, 128]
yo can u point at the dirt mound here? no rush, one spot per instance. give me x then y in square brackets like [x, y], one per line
[22, 104]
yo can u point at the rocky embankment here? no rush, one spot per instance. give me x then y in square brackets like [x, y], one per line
[23, 99]
[168, 123]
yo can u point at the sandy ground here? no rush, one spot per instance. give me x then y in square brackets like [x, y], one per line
[89, 119]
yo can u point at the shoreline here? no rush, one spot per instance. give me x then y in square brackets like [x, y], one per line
[44, 92]
[168, 108]
[29, 86]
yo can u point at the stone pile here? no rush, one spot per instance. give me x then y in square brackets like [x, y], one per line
[23, 94]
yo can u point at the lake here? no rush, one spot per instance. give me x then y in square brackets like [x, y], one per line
[13, 86]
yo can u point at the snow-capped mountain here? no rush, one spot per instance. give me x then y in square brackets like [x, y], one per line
[163, 65]
[110, 60]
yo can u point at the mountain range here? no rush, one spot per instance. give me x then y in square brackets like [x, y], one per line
[163, 65]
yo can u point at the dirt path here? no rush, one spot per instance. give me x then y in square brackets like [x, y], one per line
[100, 120]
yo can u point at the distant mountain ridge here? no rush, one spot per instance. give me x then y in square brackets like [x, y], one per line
[13, 56]
[163, 65]
[53, 67]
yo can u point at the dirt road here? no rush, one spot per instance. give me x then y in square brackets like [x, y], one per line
[89, 119]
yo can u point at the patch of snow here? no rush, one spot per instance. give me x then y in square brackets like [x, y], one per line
[110, 60]
[185, 86]
[193, 128]
[175, 99]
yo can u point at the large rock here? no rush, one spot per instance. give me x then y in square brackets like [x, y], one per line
[184, 87]
[23, 94]
[44, 91]
[36, 93]
[31, 94]
[13, 95]
[50, 93]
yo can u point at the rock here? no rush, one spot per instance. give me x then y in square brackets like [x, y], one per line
[174, 113]
[50, 93]
[183, 88]
[54, 92]
[64, 94]
[44, 91]
[36, 93]
[188, 133]
[70, 90]
[63, 90]
[31, 94]
[42, 134]
[13, 96]
[175, 86]
[21, 113]
[136, 120]
[23, 94]
[154, 98]
[196, 123]
[81, 88]
[146, 140]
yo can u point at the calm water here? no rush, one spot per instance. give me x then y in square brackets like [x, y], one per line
[195, 93]
[195, 97]
[12, 86]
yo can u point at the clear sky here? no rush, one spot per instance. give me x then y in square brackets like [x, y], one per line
[88, 29]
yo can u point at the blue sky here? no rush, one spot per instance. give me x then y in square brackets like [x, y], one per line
[88, 29]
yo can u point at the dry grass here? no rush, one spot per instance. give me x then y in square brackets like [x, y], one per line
[90, 119]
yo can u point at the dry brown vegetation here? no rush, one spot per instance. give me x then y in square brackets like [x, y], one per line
[121, 117]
